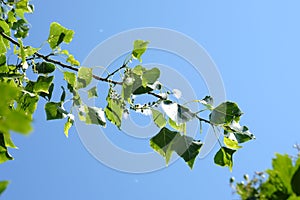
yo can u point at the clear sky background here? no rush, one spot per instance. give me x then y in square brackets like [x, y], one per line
[255, 45]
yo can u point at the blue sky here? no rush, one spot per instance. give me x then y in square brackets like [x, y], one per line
[255, 46]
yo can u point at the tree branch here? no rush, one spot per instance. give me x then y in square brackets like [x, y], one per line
[106, 79]
[46, 58]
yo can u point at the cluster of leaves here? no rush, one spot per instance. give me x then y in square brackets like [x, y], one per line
[283, 181]
[22, 93]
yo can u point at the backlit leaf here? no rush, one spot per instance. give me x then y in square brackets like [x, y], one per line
[187, 148]
[42, 84]
[96, 116]
[224, 157]
[225, 113]
[54, 110]
[59, 34]
[158, 118]
[114, 110]
[139, 47]
[163, 141]
[92, 92]
[85, 76]
[44, 67]
[3, 186]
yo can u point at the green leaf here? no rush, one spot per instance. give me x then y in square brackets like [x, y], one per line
[44, 67]
[96, 116]
[114, 109]
[4, 155]
[85, 76]
[139, 70]
[43, 84]
[28, 104]
[2, 45]
[224, 157]
[3, 63]
[8, 141]
[162, 142]
[241, 133]
[21, 28]
[158, 118]
[67, 126]
[48, 95]
[54, 110]
[230, 143]
[63, 94]
[187, 148]
[127, 85]
[4, 27]
[70, 78]
[207, 101]
[72, 60]
[92, 92]
[142, 90]
[25, 52]
[150, 76]
[59, 34]
[295, 182]
[24, 6]
[8, 114]
[225, 113]
[176, 112]
[139, 47]
[179, 127]
[3, 186]
[283, 167]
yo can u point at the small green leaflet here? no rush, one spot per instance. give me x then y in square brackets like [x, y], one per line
[2, 45]
[8, 141]
[54, 110]
[150, 76]
[67, 126]
[114, 109]
[158, 118]
[241, 133]
[72, 60]
[139, 47]
[3, 185]
[225, 113]
[4, 155]
[207, 101]
[142, 80]
[4, 26]
[70, 78]
[96, 116]
[44, 67]
[59, 34]
[92, 92]
[224, 157]
[231, 143]
[85, 76]
[179, 127]
[42, 84]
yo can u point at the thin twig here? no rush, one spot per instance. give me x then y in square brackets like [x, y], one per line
[113, 73]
